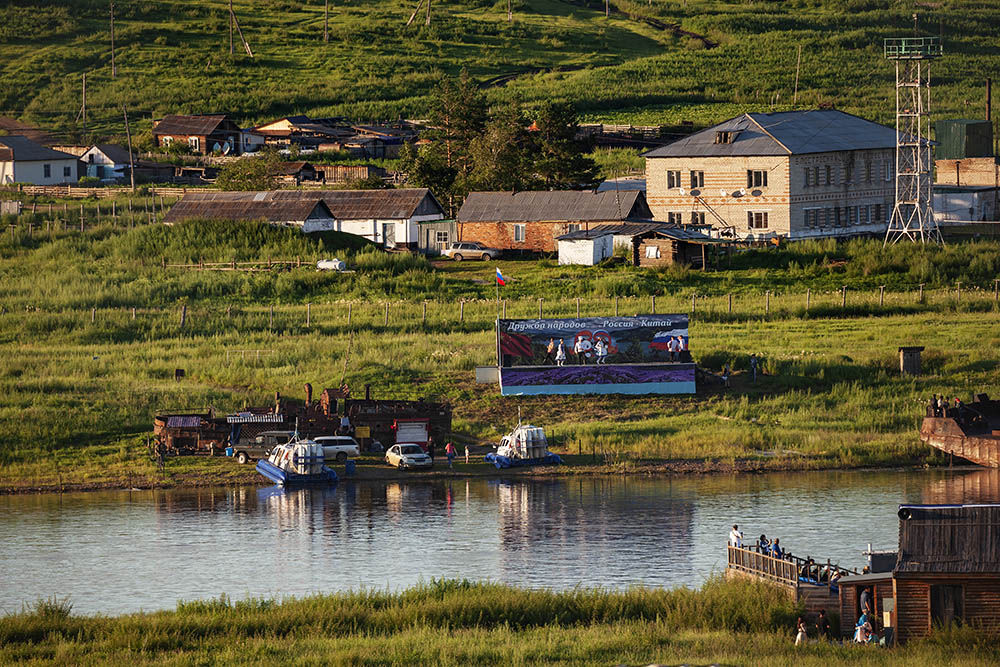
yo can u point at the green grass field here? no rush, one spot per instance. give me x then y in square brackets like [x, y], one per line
[173, 56]
[461, 623]
[82, 376]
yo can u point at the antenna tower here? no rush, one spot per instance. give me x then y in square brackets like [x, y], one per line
[912, 215]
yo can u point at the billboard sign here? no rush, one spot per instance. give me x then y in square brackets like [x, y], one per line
[628, 355]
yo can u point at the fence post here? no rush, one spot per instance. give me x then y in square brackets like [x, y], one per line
[539, 307]
[694, 298]
[843, 296]
[920, 297]
[81, 218]
[184, 312]
[133, 312]
[131, 217]
[385, 322]
[461, 311]
[652, 304]
[808, 298]
[93, 314]
[616, 306]
[767, 303]
[308, 315]
[350, 308]
[270, 317]
[730, 303]
[577, 302]
[423, 318]
[881, 295]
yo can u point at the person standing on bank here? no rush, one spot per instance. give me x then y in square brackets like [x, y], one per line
[754, 363]
[802, 634]
[449, 450]
[466, 454]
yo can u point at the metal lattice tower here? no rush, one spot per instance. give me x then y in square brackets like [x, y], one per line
[912, 215]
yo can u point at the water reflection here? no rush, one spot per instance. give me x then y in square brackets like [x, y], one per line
[158, 547]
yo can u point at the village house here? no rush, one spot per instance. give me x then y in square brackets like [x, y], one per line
[344, 173]
[295, 173]
[306, 211]
[532, 221]
[24, 161]
[947, 571]
[303, 131]
[203, 134]
[794, 174]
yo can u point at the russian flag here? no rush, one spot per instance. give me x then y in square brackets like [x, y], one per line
[500, 279]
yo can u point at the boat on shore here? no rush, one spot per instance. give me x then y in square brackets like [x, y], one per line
[971, 430]
[526, 445]
[298, 462]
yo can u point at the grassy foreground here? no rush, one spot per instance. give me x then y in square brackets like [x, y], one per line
[82, 373]
[462, 623]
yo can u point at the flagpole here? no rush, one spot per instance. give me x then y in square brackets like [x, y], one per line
[497, 281]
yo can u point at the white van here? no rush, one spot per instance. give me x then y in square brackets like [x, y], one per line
[338, 447]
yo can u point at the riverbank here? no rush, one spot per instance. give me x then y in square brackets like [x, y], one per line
[461, 623]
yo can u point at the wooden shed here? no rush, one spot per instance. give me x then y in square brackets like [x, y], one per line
[947, 571]
[668, 245]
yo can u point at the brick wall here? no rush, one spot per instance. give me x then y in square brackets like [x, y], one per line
[970, 171]
[539, 236]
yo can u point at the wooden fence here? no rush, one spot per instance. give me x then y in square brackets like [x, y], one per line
[79, 192]
[785, 571]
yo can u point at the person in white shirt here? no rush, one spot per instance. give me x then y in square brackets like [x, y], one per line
[672, 348]
[602, 351]
[560, 354]
[582, 349]
[736, 537]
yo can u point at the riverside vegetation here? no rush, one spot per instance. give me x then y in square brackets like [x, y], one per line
[173, 57]
[82, 377]
[461, 623]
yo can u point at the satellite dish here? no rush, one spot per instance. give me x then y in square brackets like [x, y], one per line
[682, 191]
[722, 193]
[226, 148]
[743, 191]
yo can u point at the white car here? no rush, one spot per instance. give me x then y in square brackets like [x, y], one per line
[338, 447]
[408, 456]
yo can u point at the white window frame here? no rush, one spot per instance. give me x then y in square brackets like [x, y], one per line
[865, 214]
[46, 170]
[673, 179]
[810, 217]
[757, 220]
[520, 233]
[441, 236]
[675, 218]
[756, 178]
[809, 173]
[889, 168]
[697, 179]
[194, 143]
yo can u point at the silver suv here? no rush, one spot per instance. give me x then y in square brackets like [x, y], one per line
[470, 250]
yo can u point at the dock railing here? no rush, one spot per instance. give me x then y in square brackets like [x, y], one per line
[780, 570]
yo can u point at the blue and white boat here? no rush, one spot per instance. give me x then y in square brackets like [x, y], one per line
[297, 462]
[526, 445]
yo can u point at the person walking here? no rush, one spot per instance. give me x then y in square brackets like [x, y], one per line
[802, 634]
[823, 626]
[430, 449]
[550, 352]
[753, 365]
[561, 354]
[726, 372]
[450, 452]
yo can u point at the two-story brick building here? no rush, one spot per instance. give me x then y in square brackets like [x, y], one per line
[795, 174]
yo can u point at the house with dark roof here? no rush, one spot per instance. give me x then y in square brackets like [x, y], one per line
[532, 221]
[309, 213]
[110, 163]
[947, 571]
[24, 161]
[794, 174]
[303, 131]
[203, 133]
[386, 217]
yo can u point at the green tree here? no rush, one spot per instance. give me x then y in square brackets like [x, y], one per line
[250, 173]
[560, 162]
[502, 154]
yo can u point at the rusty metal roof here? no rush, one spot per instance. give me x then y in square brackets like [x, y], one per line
[784, 133]
[551, 206]
[265, 206]
[193, 124]
[400, 204]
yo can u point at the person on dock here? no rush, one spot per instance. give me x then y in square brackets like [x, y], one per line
[802, 633]
[550, 352]
[466, 454]
[736, 537]
[865, 601]
[823, 626]
[450, 452]
[763, 544]
[776, 551]
[561, 354]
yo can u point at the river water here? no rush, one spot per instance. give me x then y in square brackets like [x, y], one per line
[115, 552]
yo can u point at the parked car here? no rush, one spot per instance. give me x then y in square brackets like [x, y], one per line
[408, 456]
[338, 447]
[470, 250]
[259, 447]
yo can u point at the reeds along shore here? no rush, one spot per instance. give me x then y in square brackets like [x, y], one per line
[458, 622]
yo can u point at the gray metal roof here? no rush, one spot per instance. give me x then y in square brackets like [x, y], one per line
[553, 206]
[114, 152]
[247, 206]
[584, 234]
[784, 133]
[341, 204]
[194, 124]
[22, 148]
[631, 227]
[689, 235]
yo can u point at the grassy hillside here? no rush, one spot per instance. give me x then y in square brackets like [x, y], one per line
[173, 56]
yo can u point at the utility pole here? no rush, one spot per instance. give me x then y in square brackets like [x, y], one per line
[231, 16]
[83, 109]
[326, 20]
[114, 69]
[510, 13]
[131, 161]
[798, 62]
[428, 21]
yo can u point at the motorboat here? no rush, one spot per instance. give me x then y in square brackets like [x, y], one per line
[526, 445]
[297, 462]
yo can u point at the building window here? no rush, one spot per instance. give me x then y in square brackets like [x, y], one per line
[756, 219]
[697, 179]
[829, 175]
[194, 143]
[946, 604]
[812, 217]
[888, 170]
[809, 177]
[673, 179]
[877, 213]
[441, 237]
[868, 172]
[652, 252]
[697, 217]
[66, 172]
[864, 214]
[47, 170]
[756, 179]
[852, 216]
[519, 233]
[848, 173]
[675, 218]
[572, 227]
[722, 137]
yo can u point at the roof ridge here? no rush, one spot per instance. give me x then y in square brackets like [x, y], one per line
[764, 130]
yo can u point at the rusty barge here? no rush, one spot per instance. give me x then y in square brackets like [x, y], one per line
[970, 431]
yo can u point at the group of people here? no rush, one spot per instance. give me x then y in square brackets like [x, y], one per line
[582, 349]
[763, 545]
[677, 349]
[822, 626]
[809, 570]
[449, 450]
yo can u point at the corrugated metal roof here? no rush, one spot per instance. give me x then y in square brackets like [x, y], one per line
[22, 148]
[183, 422]
[560, 205]
[247, 206]
[784, 133]
[583, 234]
[193, 124]
[632, 228]
[689, 235]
